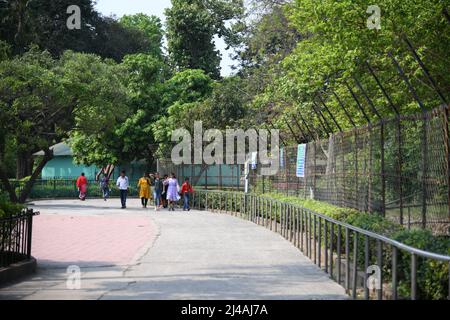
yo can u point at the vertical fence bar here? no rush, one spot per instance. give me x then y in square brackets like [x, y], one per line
[355, 264]
[347, 259]
[448, 298]
[380, 265]
[394, 272]
[325, 241]
[271, 214]
[366, 267]
[331, 250]
[310, 234]
[30, 232]
[400, 168]
[294, 226]
[383, 170]
[276, 217]
[297, 219]
[315, 238]
[319, 253]
[301, 230]
[339, 253]
[355, 199]
[307, 233]
[447, 157]
[413, 276]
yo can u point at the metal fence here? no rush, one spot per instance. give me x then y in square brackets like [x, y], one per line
[348, 254]
[398, 168]
[66, 188]
[16, 237]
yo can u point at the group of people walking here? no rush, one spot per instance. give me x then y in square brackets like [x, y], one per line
[166, 191]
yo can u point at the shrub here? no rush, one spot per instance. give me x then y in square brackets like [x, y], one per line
[432, 275]
[8, 209]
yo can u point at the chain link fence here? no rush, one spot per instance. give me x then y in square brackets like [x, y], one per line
[397, 167]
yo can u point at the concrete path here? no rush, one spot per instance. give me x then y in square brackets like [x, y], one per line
[139, 254]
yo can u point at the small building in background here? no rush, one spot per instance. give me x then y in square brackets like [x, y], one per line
[63, 166]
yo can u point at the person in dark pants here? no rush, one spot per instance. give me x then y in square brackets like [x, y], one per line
[164, 192]
[157, 191]
[186, 191]
[123, 184]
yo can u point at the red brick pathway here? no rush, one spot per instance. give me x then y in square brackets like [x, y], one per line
[90, 240]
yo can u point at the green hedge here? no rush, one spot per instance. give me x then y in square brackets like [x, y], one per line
[8, 209]
[432, 275]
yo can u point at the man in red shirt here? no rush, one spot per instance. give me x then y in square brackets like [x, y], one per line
[186, 190]
[82, 186]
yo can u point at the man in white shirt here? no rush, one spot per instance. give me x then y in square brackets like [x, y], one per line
[123, 184]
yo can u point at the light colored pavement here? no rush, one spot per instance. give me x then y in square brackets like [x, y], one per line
[196, 255]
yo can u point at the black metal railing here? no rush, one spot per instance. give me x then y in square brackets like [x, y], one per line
[16, 238]
[368, 265]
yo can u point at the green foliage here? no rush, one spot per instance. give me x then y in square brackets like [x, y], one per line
[152, 28]
[191, 27]
[182, 95]
[44, 23]
[8, 209]
[5, 50]
[44, 101]
[99, 90]
[432, 276]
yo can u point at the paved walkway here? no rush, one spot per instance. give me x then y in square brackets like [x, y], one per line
[140, 254]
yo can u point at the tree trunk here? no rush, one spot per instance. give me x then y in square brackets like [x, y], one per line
[29, 185]
[24, 165]
[7, 185]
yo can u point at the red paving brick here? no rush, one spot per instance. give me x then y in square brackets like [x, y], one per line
[90, 240]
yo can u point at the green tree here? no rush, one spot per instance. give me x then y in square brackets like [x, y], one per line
[152, 28]
[182, 96]
[191, 27]
[44, 101]
[145, 84]
[44, 23]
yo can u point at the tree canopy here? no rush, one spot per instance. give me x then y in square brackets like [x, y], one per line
[115, 94]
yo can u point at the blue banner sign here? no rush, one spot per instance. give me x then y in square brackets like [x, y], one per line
[301, 160]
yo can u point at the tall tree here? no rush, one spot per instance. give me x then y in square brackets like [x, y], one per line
[191, 27]
[43, 101]
[150, 26]
[44, 23]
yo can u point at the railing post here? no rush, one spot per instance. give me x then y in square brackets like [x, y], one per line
[413, 276]
[331, 249]
[338, 249]
[394, 272]
[301, 230]
[29, 232]
[447, 157]
[320, 245]
[355, 264]
[366, 267]
[347, 259]
[383, 171]
[315, 238]
[380, 265]
[325, 241]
